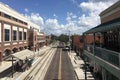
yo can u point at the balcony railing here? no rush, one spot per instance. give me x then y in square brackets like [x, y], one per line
[89, 48]
[105, 54]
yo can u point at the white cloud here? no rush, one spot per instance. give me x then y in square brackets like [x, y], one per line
[71, 17]
[103, 1]
[55, 15]
[93, 8]
[26, 10]
[76, 24]
[36, 18]
[52, 26]
[74, 2]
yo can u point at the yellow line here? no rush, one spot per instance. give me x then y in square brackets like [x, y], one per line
[60, 66]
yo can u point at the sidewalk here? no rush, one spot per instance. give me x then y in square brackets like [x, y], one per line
[7, 64]
[78, 64]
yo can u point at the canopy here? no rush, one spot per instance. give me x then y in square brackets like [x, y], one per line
[114, 24]
[23, 54]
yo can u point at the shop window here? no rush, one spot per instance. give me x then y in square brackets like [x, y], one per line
[14, 35]
[7, 34]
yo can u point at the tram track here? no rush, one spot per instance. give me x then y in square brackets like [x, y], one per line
[44, 67]
[17, 74]
[32, 74]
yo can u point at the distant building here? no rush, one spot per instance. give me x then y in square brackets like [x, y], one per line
[41, 37]
[33, 31]
[48, 40]
[104, 56]
[77, 44]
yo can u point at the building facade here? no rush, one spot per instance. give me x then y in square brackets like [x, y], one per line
[33, 31]
[48, 40]
[41, 39]
[105, 55]
[13, 31]
[17, 33]
[77, 44]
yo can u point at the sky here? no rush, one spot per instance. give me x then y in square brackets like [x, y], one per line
[61, 16]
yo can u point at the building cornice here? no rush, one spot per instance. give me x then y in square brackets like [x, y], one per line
[112, 9]
[7, 10]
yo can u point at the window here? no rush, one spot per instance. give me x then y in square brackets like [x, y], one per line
[0, 13]
[35, 38]
[25, 23]
[20, 35]
[6, 16]
[24, 35]
[14, 35]
[7, 34]
[14, 19]
[21, 21]
[81, 39]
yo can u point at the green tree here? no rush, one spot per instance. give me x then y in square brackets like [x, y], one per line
[63, 38]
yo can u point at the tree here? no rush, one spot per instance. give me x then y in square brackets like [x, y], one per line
[63, 38]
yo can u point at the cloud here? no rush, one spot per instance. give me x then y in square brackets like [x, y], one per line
[74, 2]
[52, 26]
[49, 26]
[26, 10]
[103, 1]
[71, 17]
[93, 8]
[76, 24]
[36, 18]
[55, 15]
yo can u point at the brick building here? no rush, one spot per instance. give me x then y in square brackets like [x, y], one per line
[48, 40]
[13, 31]
[105, 58]
[77, 44]
[41, 39]
[17, 33]
[33, 32]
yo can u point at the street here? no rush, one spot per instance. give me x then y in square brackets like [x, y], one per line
[61, 67]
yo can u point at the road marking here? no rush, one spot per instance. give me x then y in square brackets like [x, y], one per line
[60, 66]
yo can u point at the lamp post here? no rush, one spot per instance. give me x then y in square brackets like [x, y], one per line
[85, 59]
[12, 64]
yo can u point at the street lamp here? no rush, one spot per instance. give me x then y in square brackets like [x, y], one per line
[85, 60]
[12, 64]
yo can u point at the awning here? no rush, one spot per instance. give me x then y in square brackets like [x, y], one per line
[105, 26]
[23, 54]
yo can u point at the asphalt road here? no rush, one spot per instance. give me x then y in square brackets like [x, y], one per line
[61, 67]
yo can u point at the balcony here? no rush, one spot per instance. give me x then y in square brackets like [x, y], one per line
[108, 55]
[105, 54]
